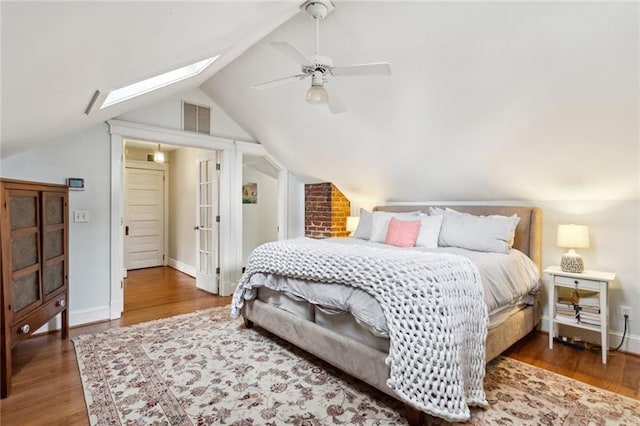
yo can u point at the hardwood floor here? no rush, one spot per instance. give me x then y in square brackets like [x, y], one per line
[621, 373]
[46, 383]
[47, 387]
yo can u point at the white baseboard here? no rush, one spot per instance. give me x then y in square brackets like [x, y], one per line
[182, 267]
[116, 309]
[631, 342]
[79, 317]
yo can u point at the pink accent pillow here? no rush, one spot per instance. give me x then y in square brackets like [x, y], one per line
[402, 233]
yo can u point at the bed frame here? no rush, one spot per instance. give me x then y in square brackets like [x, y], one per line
[346, 354]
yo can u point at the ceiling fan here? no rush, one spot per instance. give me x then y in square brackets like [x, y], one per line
[320, 67]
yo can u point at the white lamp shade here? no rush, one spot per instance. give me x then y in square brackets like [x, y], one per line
[352, 223]
[573, 236]
[317, 95]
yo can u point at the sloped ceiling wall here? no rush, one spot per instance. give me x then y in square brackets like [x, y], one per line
[487, 101]
[55, 55]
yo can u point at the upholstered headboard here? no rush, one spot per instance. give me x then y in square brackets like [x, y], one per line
[528, 232]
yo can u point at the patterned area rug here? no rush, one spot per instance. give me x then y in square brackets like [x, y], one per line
[204, 369]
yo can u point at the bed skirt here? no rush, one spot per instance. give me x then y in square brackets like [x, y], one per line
[347, 354]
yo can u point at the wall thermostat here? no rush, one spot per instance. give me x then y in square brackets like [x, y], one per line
[75, 183]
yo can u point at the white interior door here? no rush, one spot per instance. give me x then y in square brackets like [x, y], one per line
[144, 218]
[207, 224]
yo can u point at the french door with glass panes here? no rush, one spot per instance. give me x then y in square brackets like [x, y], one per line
[207, 226]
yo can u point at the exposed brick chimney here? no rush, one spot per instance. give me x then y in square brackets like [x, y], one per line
[325, 211]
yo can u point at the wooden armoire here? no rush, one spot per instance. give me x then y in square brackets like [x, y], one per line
[34, 229]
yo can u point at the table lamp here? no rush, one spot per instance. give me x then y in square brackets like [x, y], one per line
[572, 237]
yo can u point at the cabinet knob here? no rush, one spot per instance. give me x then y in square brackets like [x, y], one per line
[575, 282]
[25, 329]
[61, 303]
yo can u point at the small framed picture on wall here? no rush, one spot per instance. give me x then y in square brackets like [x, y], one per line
[250, 193]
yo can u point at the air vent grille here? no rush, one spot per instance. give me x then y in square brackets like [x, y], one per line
[196, 118]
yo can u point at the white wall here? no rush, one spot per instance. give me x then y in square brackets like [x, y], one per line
[137, 153]
[83, 155]
[87, 155]
[182, 208]
[295, 206]
[168, 114]
[259, 221]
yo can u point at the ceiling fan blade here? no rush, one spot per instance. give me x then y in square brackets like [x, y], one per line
[293, 52]
[375, 68]
[335, 102]
[279, 81]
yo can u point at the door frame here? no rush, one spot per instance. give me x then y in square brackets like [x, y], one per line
[258, 150]
[230, 197]
[164, 167]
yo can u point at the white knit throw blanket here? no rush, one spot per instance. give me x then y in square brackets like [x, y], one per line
[433, 304]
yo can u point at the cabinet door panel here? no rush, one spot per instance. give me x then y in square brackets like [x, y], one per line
[23, 210]
[53, 243]
[26, 290]
[24, 251]
[24, 243]
[53, 277]
[53, 208]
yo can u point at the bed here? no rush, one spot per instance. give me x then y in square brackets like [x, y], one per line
[342, 338]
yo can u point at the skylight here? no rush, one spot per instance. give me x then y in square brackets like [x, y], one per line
[105, 99]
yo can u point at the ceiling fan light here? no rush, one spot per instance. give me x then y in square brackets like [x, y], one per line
[317, 95]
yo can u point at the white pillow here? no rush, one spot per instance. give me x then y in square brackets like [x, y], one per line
[433, 211]
[429, 231]
[380, 224]
[363, 231]
[480, 233]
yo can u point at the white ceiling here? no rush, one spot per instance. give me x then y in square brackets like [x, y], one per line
[55, 55]
[488, 100]
[260, 164]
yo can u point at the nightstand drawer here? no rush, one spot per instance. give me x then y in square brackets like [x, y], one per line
[577, 283]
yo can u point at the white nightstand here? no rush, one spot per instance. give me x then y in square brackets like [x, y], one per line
[595, 281]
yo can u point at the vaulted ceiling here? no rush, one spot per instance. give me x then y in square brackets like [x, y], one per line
[55, 55]
[488, 100]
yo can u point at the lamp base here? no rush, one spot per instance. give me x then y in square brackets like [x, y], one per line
[572, 262]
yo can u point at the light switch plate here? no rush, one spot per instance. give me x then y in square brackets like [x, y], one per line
[81, 216]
